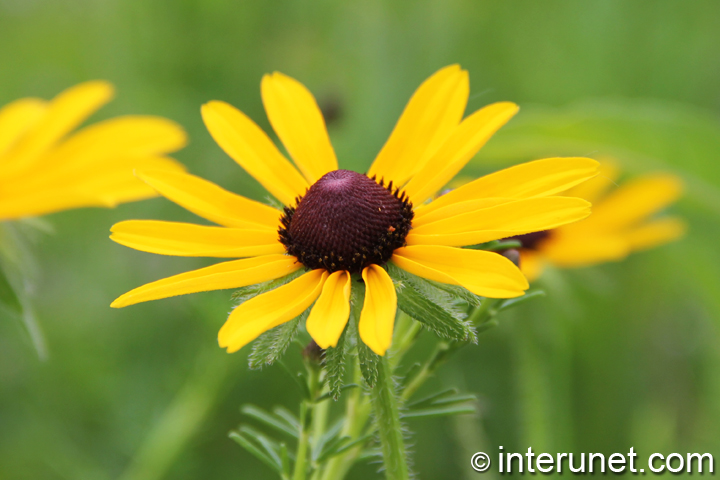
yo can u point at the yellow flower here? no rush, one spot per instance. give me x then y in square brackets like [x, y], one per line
[44, 169]
[619, 223]
[339, 223]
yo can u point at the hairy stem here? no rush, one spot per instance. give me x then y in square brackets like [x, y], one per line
[390, 430]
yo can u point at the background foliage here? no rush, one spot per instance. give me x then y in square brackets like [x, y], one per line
[616, 356]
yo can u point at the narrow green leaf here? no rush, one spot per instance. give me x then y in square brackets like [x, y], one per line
[8, 296]
[430, 399]
[440, 411]
[288, 417]
[270, 420]
[358, 441]
[334, 364]
[269, 446]
[331, 449]
[459, 292]
[271, 345]
[432, 306]
[248, 445]
[285, 459]
[327, 440]
[514, 302]
[342, 389]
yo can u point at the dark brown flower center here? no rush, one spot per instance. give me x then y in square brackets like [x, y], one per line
[346, 221]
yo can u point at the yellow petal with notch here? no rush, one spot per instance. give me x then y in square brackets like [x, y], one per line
[462, 144]
[188, 240]
[209, 201]
[253, 150]
[296, 118]
[505, 220]
[487, 274]
[331, 312]
[268, 310]
[430, 116]
[232, 274]
[538, 178]
[377, 319]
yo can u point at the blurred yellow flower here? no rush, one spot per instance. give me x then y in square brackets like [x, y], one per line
[339, 223]
[621, 223]
[44, 168]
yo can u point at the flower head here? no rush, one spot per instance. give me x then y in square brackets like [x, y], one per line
[46, 168]
[621, 223]
[339, 224]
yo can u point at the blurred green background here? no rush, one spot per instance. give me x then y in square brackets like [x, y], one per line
[615, 356]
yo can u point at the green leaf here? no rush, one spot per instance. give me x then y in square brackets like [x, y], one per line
[367, 359]
[288, 417]
[434, 307]
[244, 294]
[274, 421]
[342, 389]
[247, 443]
[8, 296]
[271, 345]
[441, 411]
[497, 245]
[514, 302]
[334, 363]
[446, 402]
[458, 292]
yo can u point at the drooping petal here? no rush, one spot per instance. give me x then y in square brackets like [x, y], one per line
[655, 233]
[232, 274]
[188, 240]
[634, 201]
[99, 185]
[501, 221]
[331, 312]
[209, 201]
[432, 113]
[64, 113]
[16, 118]
[487, 274]
[539, 178]
[377, 319]
[463, 143]
[296, 118]
[266, 311]
[253, 150]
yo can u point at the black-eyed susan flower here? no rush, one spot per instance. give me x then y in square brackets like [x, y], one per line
[338, 225]
[45, 168]
[622, 222]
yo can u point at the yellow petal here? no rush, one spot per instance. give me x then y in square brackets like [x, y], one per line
[64, 113]
[634, 201]
[592, 190]
[377, 319]
[209, 201]
[501, 221]
[188, 240]
[266, 311]
[16, 118]
[487, 274]
[103, 185]
[464, 142]
[121, 137]
[331, 312]
[566, 251]
[432, 113]
[250, 147]
[457, 208]
[655, 233]
[296, 118]
[539, 178]
[232, 274]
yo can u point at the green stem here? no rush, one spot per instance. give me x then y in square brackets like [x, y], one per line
[303, 443]
[357, 412]
[387, 416]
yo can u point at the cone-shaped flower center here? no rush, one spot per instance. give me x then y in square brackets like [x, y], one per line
[346, 221]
